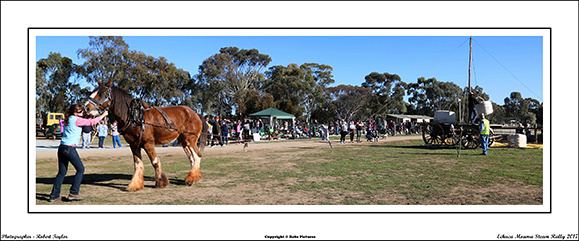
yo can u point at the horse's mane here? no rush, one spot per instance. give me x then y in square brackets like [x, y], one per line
[121, 101]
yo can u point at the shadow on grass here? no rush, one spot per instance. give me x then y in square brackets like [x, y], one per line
[431, 148]
[103, 180]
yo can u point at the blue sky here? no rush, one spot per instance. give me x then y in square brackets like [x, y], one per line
[501, 64]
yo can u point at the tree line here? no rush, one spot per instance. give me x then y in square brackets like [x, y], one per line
[234, 83]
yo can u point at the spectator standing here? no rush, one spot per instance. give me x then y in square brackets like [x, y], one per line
[246, 128]
[392, 128]
[86, 131]
[343, 132]
[103, 132]
[224, 133]
[369, 131]
[209, 131]
[216, 132]
[375, 132]
[115, 135]
[352, 129]
[238, 127]
[359, 128]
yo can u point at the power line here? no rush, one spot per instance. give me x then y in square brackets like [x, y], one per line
[445, 58]
[508, 71]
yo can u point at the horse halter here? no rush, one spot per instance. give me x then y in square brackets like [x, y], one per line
[99, 103]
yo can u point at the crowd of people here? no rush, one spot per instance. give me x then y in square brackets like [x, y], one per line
[223, 131]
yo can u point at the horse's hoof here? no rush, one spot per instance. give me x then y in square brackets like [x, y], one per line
[161, 185]
[162, 182]
[132, 188]
[192, 179]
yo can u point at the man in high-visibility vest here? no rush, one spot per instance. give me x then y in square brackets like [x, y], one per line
[485, 131]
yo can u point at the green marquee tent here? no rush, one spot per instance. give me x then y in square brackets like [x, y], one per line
[273, 113]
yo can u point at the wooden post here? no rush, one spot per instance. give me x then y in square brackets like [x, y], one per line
[536, 136]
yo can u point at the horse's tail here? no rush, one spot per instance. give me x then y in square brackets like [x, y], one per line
[203, 135]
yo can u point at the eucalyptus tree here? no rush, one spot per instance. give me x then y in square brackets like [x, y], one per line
[160, 82]
[347, 100]
[107, 58]
[227, 75]
[255, 101]
[55, 90]
[298, 90]
[287, 87]
[515, 106]
[536, 108]
[388, 92]
[429, 95]
[317, 77]
[155, 80]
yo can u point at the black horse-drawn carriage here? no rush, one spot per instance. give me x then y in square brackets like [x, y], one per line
[438, 133]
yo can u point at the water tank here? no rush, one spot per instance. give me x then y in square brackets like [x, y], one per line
[444, 116]
[486, 107]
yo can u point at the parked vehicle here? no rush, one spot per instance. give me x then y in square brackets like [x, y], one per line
[47, 122]
[53, 132]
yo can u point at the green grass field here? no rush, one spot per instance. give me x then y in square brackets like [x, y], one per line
[383, 173]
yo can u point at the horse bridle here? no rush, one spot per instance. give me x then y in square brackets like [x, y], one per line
[98, 103]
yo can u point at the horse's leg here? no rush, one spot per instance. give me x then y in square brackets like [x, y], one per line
[161, 180]
[138, 181]
[190, 146]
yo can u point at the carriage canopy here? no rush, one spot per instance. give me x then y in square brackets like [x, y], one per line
[417, 118]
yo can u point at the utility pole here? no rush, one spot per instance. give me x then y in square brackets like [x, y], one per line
[469, 63]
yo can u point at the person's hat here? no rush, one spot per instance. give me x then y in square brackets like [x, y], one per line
[217, 117]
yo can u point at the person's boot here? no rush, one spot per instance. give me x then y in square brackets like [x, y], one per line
[77, 197]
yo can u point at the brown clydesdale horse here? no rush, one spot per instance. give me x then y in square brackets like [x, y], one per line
[154, 125]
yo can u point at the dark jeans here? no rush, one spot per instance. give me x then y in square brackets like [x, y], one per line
[101, 140]
[343, 136]
[224, 138]
[472, 115]
[216, 139]
[67, 154]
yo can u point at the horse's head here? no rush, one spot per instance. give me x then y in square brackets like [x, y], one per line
[100, 98]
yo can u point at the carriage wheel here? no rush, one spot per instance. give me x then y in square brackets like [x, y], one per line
[470, 140]
[452, 140]
[433, 135]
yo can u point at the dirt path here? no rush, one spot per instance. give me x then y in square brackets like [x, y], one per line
[232, 148]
